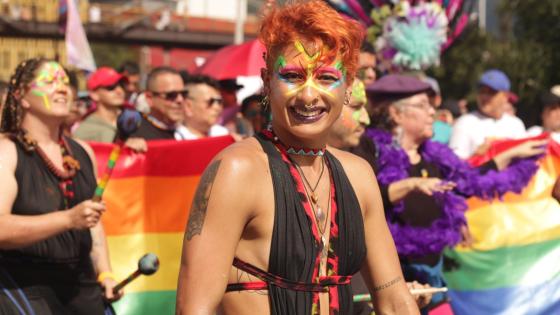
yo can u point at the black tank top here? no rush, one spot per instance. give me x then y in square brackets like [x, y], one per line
[39, 193]
[294, 249]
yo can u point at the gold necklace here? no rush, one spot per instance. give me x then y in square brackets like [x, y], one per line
[317, 210]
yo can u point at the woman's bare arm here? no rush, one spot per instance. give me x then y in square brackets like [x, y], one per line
[381, 270]
[18, 231]
[221, 208]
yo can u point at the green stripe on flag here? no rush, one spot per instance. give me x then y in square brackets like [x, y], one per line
[504, 267]
[147, 303]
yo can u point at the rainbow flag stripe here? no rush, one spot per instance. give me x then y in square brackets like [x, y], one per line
[148, 198]
[514, 265]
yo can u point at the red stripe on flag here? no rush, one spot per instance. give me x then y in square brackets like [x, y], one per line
[164, 157]
[500, 146]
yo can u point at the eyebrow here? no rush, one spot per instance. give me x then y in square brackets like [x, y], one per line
[291, 68]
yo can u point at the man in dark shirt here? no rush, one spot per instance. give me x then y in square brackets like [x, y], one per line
[165, 95]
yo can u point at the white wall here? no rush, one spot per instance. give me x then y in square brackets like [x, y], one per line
[218, 9]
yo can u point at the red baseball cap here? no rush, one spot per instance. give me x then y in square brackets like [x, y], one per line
[104, 77]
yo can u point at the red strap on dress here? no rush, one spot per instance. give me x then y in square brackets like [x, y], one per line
[267, 278]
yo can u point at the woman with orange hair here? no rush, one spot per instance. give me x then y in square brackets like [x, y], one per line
[277, 221]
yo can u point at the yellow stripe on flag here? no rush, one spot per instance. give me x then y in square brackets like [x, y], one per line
[126, 250]
[520, 219]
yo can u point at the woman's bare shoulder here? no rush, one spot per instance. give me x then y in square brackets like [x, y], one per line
[242, 161]
[8, 151]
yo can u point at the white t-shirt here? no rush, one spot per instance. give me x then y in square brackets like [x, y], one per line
[472, 129]
[183, 133]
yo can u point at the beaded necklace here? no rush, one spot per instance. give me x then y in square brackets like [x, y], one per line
[66, 174]
[157, 123]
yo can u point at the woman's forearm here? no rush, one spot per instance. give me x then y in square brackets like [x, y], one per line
[18, 231]
[99, 250]
[397, 191]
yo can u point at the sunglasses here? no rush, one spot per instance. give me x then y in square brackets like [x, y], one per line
[172, 95]
[112, 86]
[211, 101]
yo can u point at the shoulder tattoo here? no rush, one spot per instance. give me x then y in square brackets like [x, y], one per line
[387, 284]
[200, 202]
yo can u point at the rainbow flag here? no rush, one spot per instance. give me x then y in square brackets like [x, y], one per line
[514, 265]
[148, 200]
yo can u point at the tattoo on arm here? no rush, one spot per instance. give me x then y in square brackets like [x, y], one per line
[387, 284]
[200, 202]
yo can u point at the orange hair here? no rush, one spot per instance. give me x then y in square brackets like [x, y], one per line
[312, 20]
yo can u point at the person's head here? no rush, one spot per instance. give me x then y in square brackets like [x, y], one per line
[493, 91]
[131, 71]
[551, 110]
[251, 110]
[228, 89]
[204, 105]
[165, 94]
[311, 61]
[353, 120]
[38, 91]
[434, 94]
[400, 104]
[105, 88]
[77, 108]
[367, 64]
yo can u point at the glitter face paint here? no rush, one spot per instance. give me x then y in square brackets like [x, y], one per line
[50, 78]
[355, 114]
[323, 79]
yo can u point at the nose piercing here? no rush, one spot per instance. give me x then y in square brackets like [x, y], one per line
[312, 103]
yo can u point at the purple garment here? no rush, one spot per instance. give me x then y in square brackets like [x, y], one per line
[393, 165]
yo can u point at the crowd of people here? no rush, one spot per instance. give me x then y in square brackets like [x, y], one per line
[362, 173]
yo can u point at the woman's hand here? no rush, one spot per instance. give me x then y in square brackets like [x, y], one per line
[466, 236]
[431, 184]
[523, 150]
[398, 190]
[138, 145]
[422, 300]
[85, 215]
[108, 284]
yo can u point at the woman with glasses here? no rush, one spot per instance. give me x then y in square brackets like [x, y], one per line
[53, 253]
[280, 222]
[424, 185]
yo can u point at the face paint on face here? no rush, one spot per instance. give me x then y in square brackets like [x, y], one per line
[357, 104]
[359, 91]
[323, 79]
[50, 78]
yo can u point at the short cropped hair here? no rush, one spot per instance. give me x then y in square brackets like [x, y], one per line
[156, 72]
[202, 79]
[312, 20]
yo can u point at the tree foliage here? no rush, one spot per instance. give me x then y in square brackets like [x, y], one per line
[527, 50]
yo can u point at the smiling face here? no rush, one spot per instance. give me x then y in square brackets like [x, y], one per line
[49, 92]
[306, 94]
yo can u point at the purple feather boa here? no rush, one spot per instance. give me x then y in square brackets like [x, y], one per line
[393, 165]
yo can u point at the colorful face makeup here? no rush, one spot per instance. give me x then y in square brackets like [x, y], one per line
[357, 105]
[323, 79]
[50, 78]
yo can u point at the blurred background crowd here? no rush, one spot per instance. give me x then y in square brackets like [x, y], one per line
[192, 68]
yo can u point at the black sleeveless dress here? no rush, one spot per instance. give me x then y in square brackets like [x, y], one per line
[56, 275]
[292, 278]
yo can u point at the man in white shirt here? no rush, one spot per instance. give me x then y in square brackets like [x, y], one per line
[202, 109]
[473, 132]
